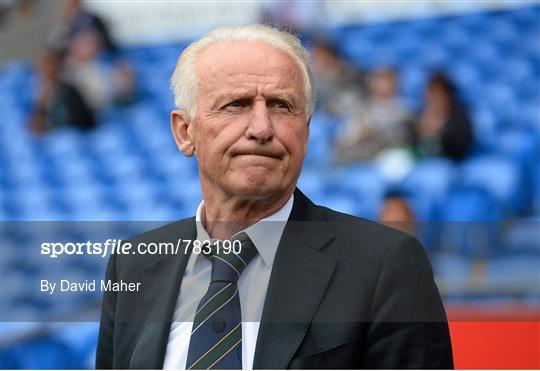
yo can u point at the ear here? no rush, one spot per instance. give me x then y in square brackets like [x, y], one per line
[307, 136]
[179, 126]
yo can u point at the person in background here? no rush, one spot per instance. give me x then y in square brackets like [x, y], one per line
[380, 124]
[339, 85]
[299, 17]
[443, 128]
[83, 70]
[77, 19]
[58, 103]
[101, 86]
[93, 60]
[396, 212]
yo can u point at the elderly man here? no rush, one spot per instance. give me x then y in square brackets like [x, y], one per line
[265, 278]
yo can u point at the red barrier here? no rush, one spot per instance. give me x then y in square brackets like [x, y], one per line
[495, 338]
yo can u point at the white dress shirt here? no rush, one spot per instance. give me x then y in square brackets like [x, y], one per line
[252, 286]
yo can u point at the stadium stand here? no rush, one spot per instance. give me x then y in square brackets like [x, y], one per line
[128, 169]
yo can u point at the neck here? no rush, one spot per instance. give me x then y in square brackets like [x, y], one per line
[225, 216]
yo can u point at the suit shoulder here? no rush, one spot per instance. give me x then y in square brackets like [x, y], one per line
[359, 242]
[362, 229]
[169, 233]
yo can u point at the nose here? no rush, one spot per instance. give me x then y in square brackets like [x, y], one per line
[260, 124]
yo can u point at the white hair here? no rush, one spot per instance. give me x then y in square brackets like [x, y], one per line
[184, 80]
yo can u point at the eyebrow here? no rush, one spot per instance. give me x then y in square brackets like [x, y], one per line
[245, 95]
[286, 97]
[231, 96]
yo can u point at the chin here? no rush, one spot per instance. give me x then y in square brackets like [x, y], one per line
[255, 186]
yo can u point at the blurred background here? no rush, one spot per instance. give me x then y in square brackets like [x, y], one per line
[428, 119]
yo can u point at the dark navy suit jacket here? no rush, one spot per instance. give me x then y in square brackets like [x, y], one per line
[344, 293]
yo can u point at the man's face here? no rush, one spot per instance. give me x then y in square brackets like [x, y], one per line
[250, 130]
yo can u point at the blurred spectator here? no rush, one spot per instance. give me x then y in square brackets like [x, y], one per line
[84, 39]
[24, 26]
[338, 84]
[74, 19]
[397, 213]
[297, 16]
[83, 70]
[79, 19]
[101, 86]
[58, 103]
[380, 124]
[443, 127]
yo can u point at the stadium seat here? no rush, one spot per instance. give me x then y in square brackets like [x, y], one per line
[498, 176]
[523, 147]
[522, 236]
[452, 271]
[313, 184]
[428, 184]
[362, 184]
[516, 274]
[469, 215]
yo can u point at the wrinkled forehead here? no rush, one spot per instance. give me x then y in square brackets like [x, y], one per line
[228, 63]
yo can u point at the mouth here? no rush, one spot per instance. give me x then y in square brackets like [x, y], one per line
[266, 154]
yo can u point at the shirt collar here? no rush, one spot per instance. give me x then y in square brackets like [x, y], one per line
[265, 234]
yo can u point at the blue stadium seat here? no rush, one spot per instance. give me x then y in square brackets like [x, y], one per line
[44, 353]
[500, 99]
[356, 46]
[523, 147]
[474, 23]
[469, 216]
[185, 192]
[313, 184]
[467, 78]
[80, 338]
[321, 138]
[527, 116]
[428, 184]
[519, 71]
[341, 203]
[362, 184]
[516, 274]
[503, 31]
[522, 236]
[412, 78]
[524, 18]
[470, 203]
[452, 271]
[496, 174]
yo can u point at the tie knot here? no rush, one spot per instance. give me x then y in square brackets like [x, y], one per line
[230, 258]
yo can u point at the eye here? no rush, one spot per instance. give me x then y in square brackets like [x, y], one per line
[237, 104]
[280, 105]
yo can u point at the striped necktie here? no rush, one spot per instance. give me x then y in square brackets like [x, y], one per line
[216, 336]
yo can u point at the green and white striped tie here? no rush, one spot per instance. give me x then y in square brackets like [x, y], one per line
[216, 336]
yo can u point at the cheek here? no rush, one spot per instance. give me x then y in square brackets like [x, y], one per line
[297, 138]
[213, 140]
[296, 145]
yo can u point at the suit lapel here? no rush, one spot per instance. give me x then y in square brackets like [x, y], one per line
[299, 279]
[161, 280]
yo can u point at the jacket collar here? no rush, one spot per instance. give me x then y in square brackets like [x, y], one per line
[300, 277]
[161, 280]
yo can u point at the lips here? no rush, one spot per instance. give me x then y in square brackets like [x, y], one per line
[264, 153]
